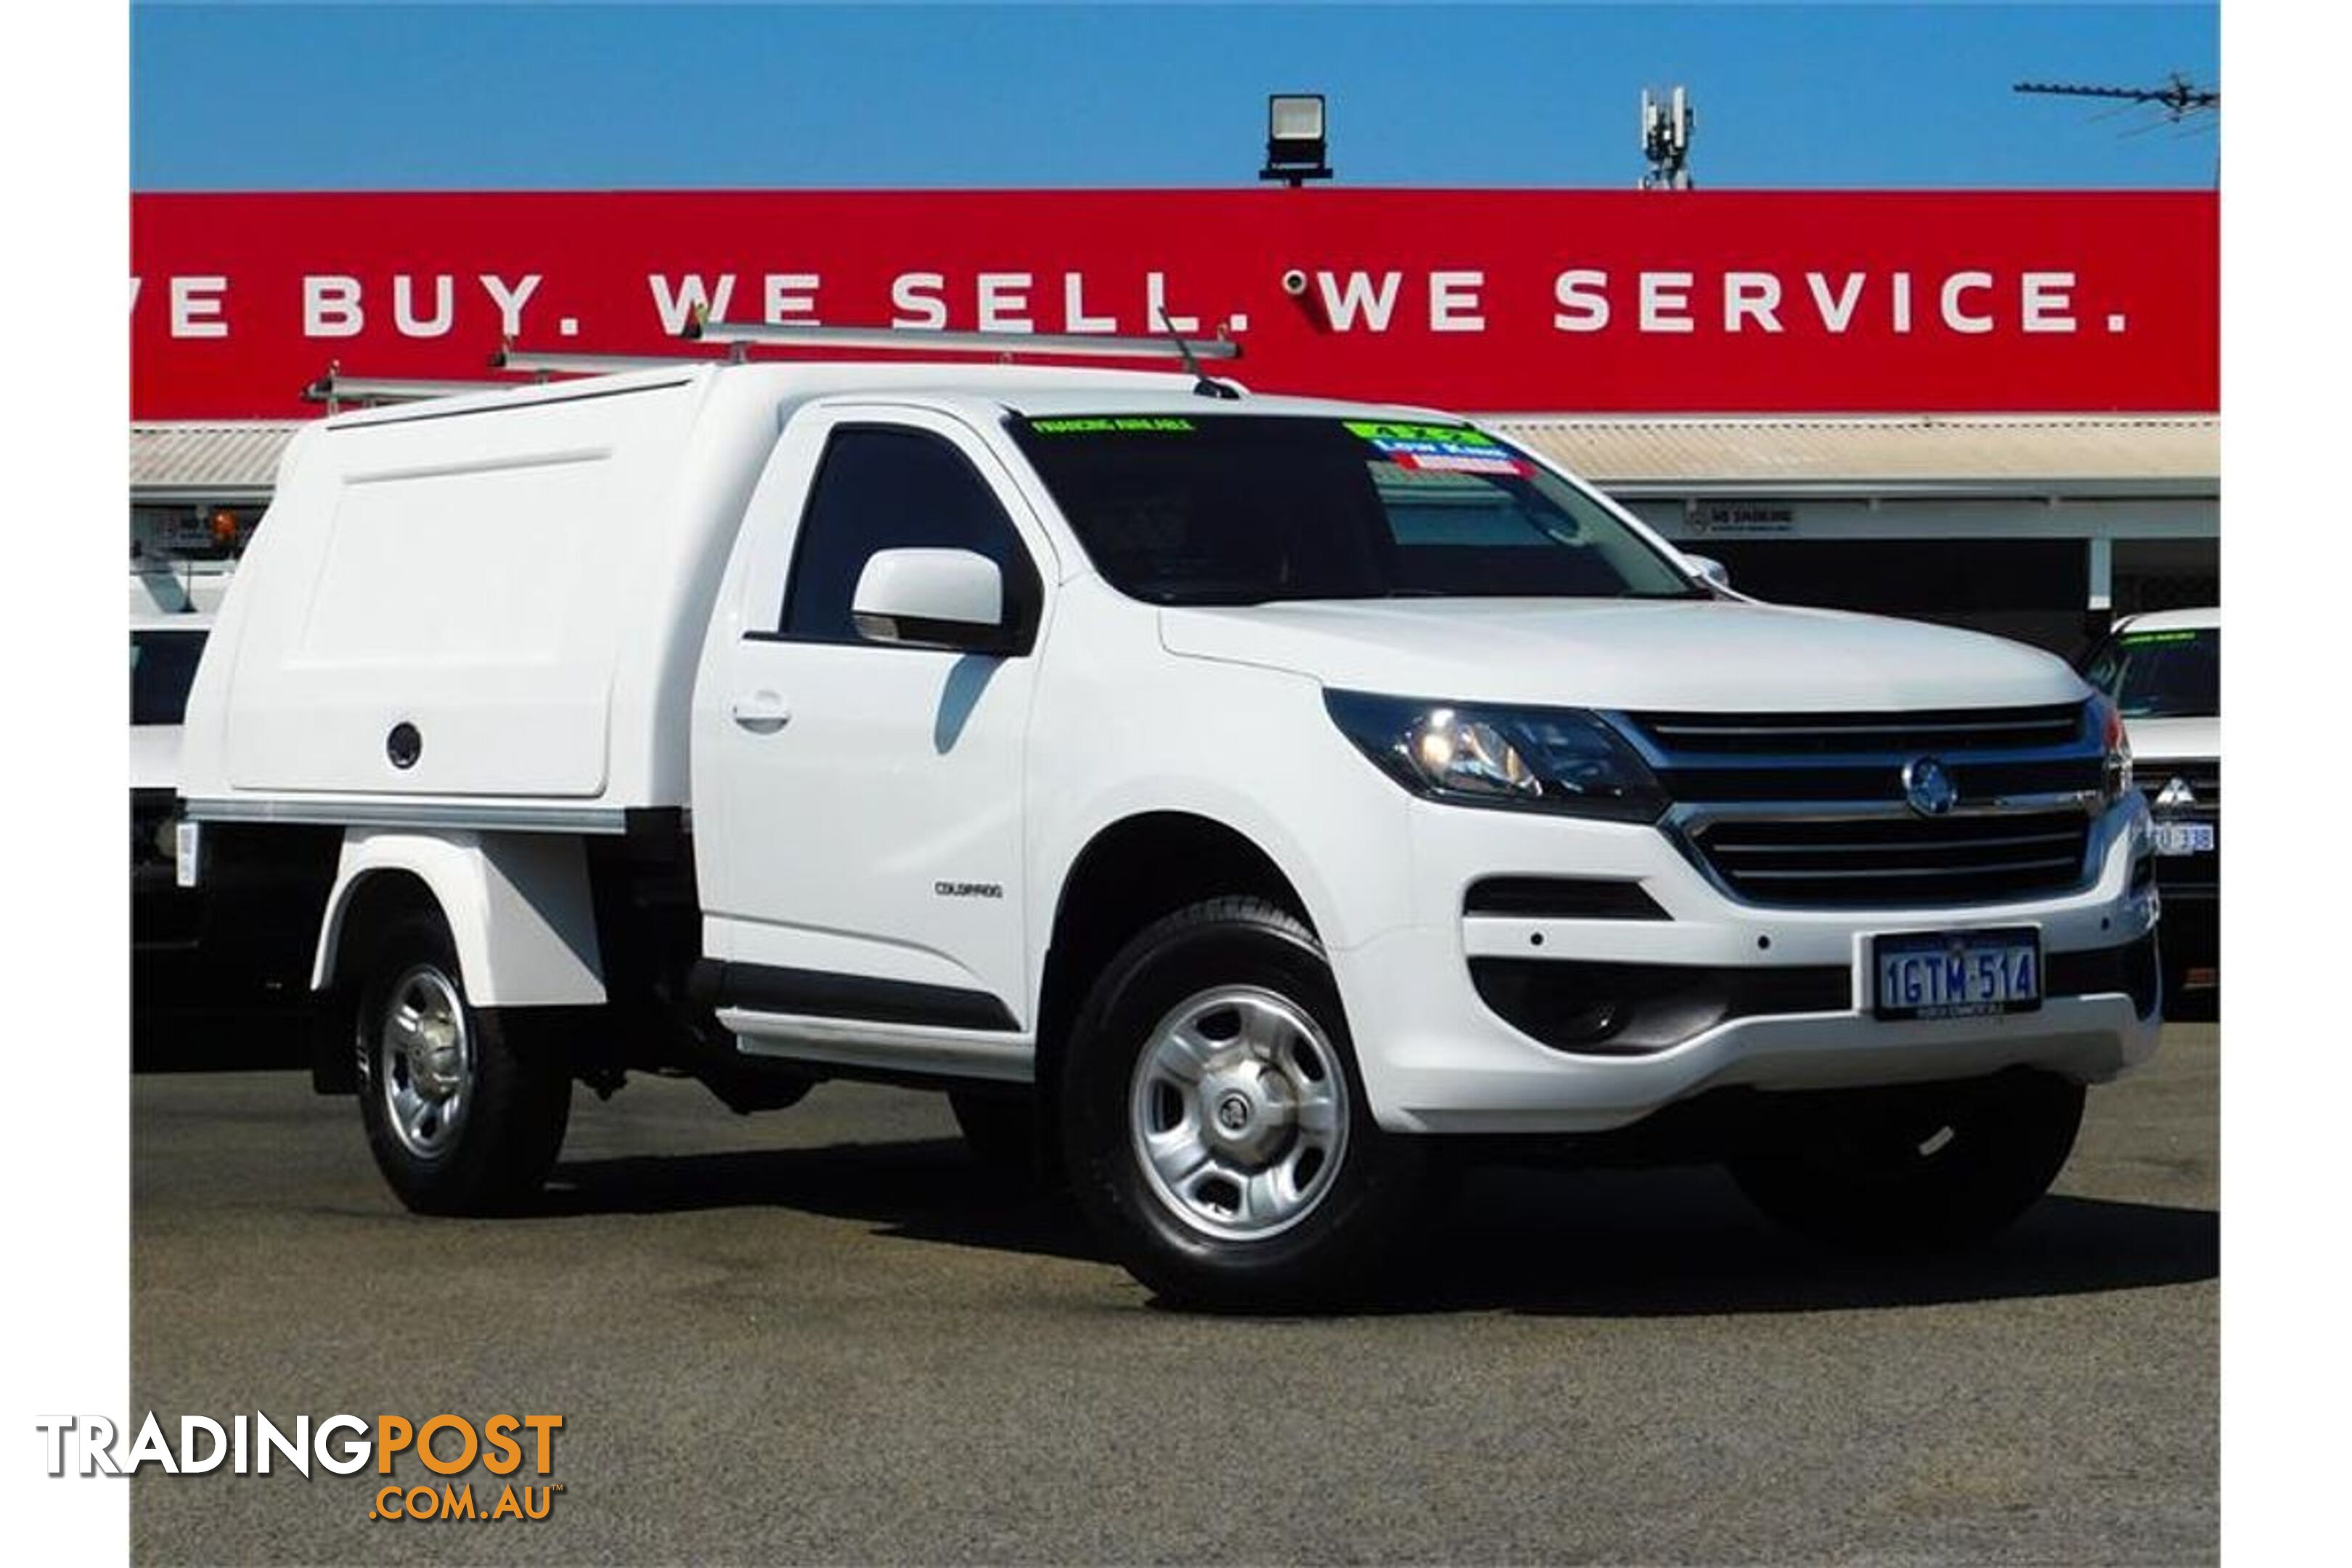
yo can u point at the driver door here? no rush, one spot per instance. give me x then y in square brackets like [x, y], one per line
[863, 880]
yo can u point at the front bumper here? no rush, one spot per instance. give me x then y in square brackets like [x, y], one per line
[1436, 1057]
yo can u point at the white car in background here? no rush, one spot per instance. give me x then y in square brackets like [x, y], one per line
[164, 923]
[2163, 670]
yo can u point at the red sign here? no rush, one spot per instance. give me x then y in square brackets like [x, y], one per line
[1487, 301]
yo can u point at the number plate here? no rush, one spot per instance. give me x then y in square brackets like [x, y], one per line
[1955, 974]
[2184, 838]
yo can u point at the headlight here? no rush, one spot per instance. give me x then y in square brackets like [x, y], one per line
[2108, 721]
[1538, 759]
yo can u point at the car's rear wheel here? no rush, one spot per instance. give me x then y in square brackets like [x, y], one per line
[1919, 1169]
[1215, 1126]
[465, 1107]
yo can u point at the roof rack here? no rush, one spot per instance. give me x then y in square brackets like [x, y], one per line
[509, 358]
[737, 338]
[334, 389]
[927, 340]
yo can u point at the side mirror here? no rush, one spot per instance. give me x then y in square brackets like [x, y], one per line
[1710, 569]
[931, 598]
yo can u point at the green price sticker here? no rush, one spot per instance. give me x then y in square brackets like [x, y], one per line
[1387, 435]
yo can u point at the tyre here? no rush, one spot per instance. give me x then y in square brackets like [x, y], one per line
[1001, 1130]
[1919, 1170]
[465, 1108]
[1214, 1126]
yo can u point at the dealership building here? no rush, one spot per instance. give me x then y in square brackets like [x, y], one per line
[1994, 409]
[2031, 526]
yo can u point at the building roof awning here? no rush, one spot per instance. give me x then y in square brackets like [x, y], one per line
[1930, 455]
[203, 463]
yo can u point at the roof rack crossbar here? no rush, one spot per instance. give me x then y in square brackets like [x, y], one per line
[335, 388]
[926, 340]
[563, 363]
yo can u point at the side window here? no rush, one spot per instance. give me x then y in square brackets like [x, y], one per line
[879, 487]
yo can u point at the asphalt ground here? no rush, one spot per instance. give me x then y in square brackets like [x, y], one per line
[823, 1334]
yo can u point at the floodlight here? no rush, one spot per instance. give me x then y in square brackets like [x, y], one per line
[1295, 137]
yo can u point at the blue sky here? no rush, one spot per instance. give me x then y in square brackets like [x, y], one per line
[266, 96]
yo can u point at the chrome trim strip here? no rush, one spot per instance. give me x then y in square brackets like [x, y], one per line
[482, 815]
[2007, 841]
[1651, 738]
[2070, 725]
[1693, 815]
[1702, 764]
[1876, 872]
[888, 1047]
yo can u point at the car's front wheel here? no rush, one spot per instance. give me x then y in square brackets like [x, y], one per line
[1215, 1126]
[1919, 1169]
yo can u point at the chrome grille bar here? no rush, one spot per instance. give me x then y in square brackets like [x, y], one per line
[1825, 875]
[1697, 740]
[2009, 842]
[2061, 726]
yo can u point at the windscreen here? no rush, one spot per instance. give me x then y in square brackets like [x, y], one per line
[163, 666]
[2161, 675]
[1246, 509]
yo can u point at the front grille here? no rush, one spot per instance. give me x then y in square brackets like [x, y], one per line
[1885, 862]
[2189, 876]
[1810, 810]
[1938, 732]
[2203, 778]
[1991, 754]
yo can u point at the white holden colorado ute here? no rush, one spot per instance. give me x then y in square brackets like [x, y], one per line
[1241, 802]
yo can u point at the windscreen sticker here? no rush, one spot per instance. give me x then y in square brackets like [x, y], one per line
[2142, 640]
[1102, 425]
[1453, 448]
[1459, 462]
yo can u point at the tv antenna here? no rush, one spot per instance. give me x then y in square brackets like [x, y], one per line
[1666, 140]
[2178, 98]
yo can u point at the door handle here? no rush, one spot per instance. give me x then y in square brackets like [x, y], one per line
[763, 712]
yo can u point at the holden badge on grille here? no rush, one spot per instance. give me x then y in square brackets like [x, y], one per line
[1927, 786]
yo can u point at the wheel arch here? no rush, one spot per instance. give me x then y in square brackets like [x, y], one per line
[516, 906]
[1132, 872]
